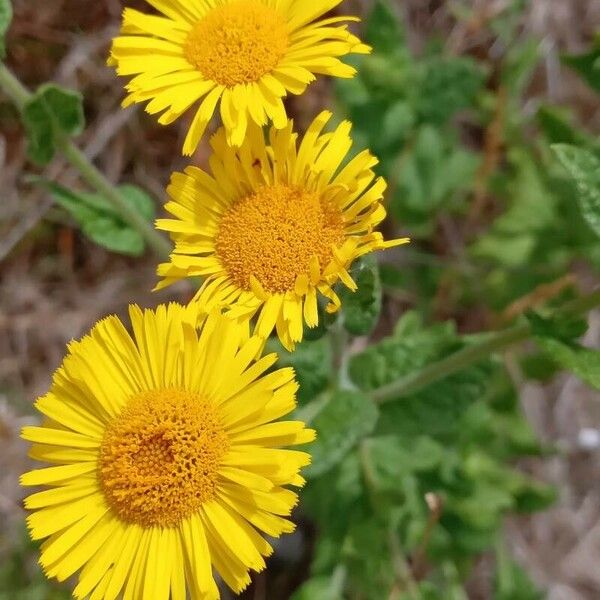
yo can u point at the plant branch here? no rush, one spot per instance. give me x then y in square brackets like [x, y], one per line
[495, 342]
[19, 95]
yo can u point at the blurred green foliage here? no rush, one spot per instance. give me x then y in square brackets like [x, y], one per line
[406, 495]
[417, 492]
[21, 577]
[455, 439]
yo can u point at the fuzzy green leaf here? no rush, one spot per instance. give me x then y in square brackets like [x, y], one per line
[100, 222]
[40, 133]
[65, 106]
[363, 307]
[383, 29]
[345, 419]
[318, 588]
[312, 362]
[583, 362]
[52, 111]
[584, 168]
[586, 65]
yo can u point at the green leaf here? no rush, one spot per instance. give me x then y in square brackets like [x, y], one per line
[556, 124]
[366, 553]
[345, 419]
[40, 133]
[51, 112]
[408, 350]
[363, 307]
[532, 205]
[319, 588]
[435, 410]
[583, 362]
[383, 29]
[511, 581]
[586, 65]
[507, 250]
[563, 327]
[65, 106]
[392, 457]
[519, 65]
[6, 14]
[100, 222]
[448, 86]
[312, 362]
[432, 171]
[584, 168]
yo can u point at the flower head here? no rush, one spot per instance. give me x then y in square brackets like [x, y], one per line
[166, 458]
[247, 54]
[275, 225]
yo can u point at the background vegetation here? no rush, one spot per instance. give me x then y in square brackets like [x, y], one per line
[459, 428]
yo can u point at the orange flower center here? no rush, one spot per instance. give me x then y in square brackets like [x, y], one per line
[274, 233]
[238, 42]
[160, 457]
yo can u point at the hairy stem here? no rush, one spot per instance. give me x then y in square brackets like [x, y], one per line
[496, 342]
[19, 95]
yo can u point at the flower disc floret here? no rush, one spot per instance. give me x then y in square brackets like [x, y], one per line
[167, 463]
[276, 225]
[237, 43]
[160, 457]
[275, 234]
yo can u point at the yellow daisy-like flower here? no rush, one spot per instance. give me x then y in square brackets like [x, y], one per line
[166, 458]
[276, 224]
[249, 54]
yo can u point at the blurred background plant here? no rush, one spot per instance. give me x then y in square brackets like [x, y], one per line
[455, 396]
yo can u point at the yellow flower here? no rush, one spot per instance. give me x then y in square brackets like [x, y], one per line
[249, 54]
[274, 225]
[166, 458]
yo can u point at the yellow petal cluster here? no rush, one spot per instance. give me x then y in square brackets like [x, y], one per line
[167, 463]
[276, 224]
[243, 56]
[166, 458]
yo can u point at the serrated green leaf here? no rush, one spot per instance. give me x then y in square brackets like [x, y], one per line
[584, 168]
[586, 65]
[52, 111]
[312, 362]
[557, 126]
[583, 362]
[383, 29]
[6, 15]
[397, 356]
[392, 457]
[563, 327]
[448, 86]
[437, 409]
[434, 170]
[100, 221]
[363, 307]
[532, 205]
[507, 250]
[345, 419]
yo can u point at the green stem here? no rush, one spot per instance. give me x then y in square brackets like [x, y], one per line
[13, 88]
[19, 95]
[466, 357]
[98, 181]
